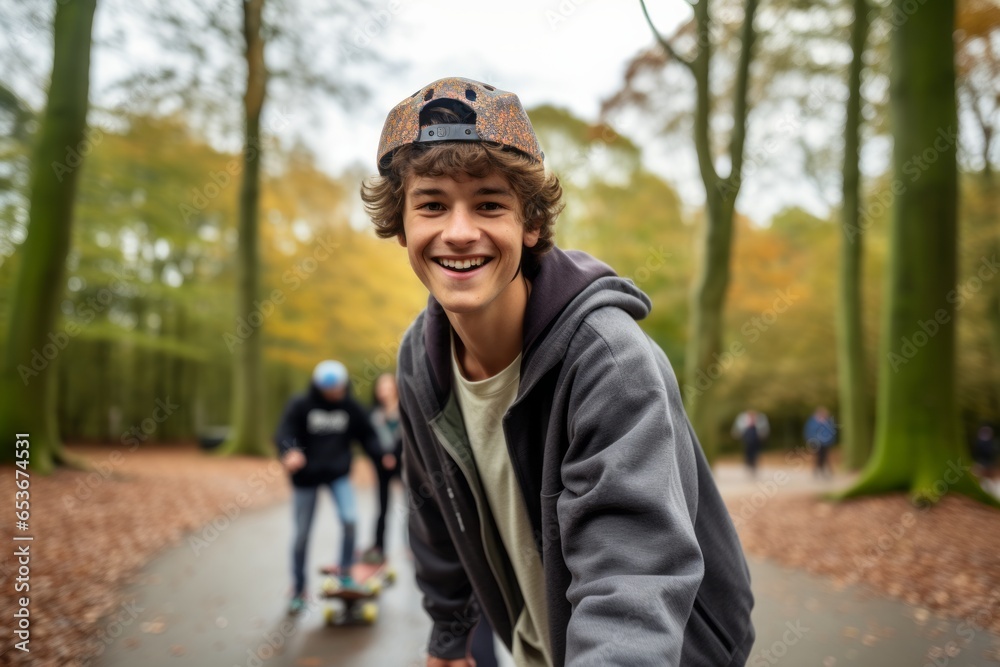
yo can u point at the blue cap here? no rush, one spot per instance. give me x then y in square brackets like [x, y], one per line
[330, 375]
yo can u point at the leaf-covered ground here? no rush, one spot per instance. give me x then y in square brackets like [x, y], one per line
[93, 531]
[942, 560]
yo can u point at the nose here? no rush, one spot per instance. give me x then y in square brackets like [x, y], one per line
[459, 228]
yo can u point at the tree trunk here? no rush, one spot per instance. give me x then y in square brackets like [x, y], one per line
[28, 383]
[919, 446]
[989, 194]
[161, 369]
[247, 434]
[179, 366]
[103, 355]
[855, 426]
[705, 361]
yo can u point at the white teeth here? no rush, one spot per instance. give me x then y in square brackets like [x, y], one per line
[462, 263]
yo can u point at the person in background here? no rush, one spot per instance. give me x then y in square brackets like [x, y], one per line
[984, 449]
[385, 421]
[314, 442]
[753, 429]
[821, 434]
[481, 645]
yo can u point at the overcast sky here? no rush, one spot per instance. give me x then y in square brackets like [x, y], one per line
[570, 53]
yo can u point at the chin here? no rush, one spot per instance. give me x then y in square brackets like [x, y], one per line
[460, 305]
[462, 301]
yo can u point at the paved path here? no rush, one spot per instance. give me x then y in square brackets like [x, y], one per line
[225, 606]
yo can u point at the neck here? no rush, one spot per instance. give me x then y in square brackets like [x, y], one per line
[489, 340]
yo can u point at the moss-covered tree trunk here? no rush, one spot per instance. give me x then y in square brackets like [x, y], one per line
[919, 446]
[28, 382]
[705, 361]
[247, 433]
[855, 427]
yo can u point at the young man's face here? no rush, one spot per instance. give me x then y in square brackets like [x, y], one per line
[449, 223]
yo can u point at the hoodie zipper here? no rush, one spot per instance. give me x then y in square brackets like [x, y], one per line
[448, 447]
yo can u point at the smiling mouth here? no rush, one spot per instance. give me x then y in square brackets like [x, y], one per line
[464, 265]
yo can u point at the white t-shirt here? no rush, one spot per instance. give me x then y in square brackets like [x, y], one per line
[483, 404]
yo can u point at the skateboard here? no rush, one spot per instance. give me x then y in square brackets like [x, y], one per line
[357, 606]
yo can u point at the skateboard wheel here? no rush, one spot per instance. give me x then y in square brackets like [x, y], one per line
[390, 576]
[375, 587]
[331, 585]
[369, 612]
[329, 615]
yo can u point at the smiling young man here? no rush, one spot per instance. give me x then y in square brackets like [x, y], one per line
[554, 481]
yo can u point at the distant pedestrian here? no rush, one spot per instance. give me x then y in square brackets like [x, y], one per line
[314, 441]
[984, 448]
[753, 429]
[385, 421]
[821, 435]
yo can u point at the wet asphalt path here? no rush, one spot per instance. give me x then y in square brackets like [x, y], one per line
[225, 606]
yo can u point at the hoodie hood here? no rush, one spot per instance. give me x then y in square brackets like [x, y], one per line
[566, 287]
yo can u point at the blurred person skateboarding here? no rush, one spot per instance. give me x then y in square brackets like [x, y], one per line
[314, 442]
[551, 471]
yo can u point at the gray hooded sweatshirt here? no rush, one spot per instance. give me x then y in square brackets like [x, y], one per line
[642, 564]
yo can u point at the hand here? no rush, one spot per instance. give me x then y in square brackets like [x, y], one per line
[293, 460]
[389, 462]
[440, 662]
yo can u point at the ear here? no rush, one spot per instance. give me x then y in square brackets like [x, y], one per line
[531, 238]
[401, 239]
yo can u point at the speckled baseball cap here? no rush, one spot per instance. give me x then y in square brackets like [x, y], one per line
[488, 115]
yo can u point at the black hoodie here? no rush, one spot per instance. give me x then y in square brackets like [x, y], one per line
[324, 430]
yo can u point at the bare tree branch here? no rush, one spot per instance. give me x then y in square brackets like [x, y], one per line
[662, 40]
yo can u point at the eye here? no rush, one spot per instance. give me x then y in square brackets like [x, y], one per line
[491, 206]
[431, 206]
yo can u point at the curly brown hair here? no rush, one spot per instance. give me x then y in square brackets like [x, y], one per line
[538, 193]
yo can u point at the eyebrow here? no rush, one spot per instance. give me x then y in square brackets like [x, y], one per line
[426, 192]
[438, 192]
[503, 192]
